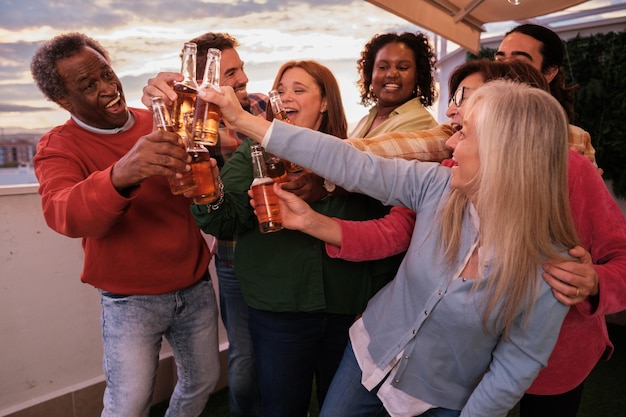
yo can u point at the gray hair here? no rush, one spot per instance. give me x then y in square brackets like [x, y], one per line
[43, 66]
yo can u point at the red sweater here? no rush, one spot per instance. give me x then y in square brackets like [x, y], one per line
[147, 243]
[601, 227]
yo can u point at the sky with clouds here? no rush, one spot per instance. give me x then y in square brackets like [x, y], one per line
[145, 37]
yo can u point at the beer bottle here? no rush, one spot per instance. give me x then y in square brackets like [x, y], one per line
[187, 90]
[265, 200]
[277, 107]
[279, 112]
[207, 190]
[163, 122]
[206, 121]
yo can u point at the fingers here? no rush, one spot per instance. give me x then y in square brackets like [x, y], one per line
[565, 300]
[160, 153]
[226, 99]
[572, 281]
[581, 254]
[161, 86]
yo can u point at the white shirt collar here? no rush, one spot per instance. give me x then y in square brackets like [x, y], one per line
[129, 123]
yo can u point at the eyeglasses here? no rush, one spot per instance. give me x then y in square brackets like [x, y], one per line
[459, 96]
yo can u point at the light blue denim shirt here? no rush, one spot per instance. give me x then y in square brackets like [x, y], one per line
[449, 359]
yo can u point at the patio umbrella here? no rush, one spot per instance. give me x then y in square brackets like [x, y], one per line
[461, 21]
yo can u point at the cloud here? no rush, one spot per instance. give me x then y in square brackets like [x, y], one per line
[8, 107]
[71, 15]
[144, 37]
[64, 15]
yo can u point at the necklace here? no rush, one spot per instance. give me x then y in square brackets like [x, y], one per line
[383, 117]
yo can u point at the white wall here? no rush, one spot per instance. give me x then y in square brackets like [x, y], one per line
[50, 339]
[49, 320]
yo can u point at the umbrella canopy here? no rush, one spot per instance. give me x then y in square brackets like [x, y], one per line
[461, 21]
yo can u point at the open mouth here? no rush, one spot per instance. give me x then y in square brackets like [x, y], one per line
[391, 86]
[115, 101]
[291, 112]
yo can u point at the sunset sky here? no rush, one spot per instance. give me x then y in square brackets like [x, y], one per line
[145, 37]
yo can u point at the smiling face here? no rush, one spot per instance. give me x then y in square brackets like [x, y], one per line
[467, 85]
[394, 75]
[466, 157]
[233, 75]
[94, 93]
[455, 113]
[302, 98]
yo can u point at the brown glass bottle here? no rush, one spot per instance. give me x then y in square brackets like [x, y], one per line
[163, 122]
[206, 192]
[278, 109]
[279, 112]
[186, 90]
[206, 120]
[265, 200]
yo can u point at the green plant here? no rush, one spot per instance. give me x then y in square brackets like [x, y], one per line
[597, 64]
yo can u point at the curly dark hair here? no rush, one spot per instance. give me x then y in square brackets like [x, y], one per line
[425, 62]
[221, 41]
[43, 65]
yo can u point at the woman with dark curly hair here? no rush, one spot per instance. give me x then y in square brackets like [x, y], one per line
[397, 76]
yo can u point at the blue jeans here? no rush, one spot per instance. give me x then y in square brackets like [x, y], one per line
[347, 397]
[132, 330]
[291, 349]
[243, 387]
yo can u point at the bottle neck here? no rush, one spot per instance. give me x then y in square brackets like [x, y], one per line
[276, 102]
[259, 169]
[188, 68]
[161, 116]
[211, 76]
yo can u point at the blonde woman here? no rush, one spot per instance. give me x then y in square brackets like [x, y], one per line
[468, 322]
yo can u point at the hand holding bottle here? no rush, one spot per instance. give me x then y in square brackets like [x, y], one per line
[183, 181]
[265, 201]
[161, 86]
[234, 115]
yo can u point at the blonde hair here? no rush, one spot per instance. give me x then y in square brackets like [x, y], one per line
[520, 193]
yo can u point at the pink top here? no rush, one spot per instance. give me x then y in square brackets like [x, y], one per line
[601, 226]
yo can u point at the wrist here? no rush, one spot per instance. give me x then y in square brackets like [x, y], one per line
[215, 205]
